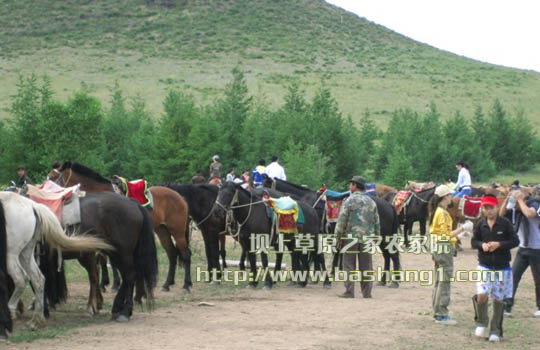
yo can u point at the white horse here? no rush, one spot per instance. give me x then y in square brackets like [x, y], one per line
[25, 223]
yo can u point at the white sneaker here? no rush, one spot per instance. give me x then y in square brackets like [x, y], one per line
[494, 337]
[537, 313]
[480, 332]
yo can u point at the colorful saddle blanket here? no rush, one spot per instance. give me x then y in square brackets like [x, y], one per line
[334, 201]
[470, 207]
[400, 200]
[289, 214]
[138, 190]
[64, 202]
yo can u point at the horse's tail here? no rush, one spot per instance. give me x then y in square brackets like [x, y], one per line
[52, 231]
[145, 258]
[5, 315]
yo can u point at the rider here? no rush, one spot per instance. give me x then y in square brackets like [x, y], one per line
[257, 174]
[463, 185]
[22, 178]
[215, 167]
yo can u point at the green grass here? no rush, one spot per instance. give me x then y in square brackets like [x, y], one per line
[528, 177]
[193, 45]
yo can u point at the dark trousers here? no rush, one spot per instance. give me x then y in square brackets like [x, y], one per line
[365, 263]
[526, 257]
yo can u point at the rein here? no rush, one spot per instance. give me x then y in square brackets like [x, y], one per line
[232, 206]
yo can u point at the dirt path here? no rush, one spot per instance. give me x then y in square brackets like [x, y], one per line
[310, 318]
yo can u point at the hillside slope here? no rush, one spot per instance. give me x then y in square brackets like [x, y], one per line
[150, 46]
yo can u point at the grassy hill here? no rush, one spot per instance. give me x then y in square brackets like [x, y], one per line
[153, 45]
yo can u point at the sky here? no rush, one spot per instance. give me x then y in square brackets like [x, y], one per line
[495, 31]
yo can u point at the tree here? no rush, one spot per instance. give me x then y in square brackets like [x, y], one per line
[399, 168]
[306, 165]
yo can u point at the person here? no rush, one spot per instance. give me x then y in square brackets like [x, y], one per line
[463, 184]
[230, 175]
[528, 254]
[493, 237]
[245, 179]
[257, 174]
[440, 229]
[198, 178]
[22, 178]
[358, 218]
[275, 171]
[215, 167]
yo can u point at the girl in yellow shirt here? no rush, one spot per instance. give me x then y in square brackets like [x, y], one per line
[440, 229]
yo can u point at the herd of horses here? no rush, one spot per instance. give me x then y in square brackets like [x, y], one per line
[120, 229]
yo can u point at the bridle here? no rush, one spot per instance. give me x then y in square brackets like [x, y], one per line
[61, 177]
[232, 205]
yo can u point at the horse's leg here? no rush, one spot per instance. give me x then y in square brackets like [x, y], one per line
[242, 264]
[37, 280]
[386, 256]
[268, 281]
[87, 262]
[16, 271]
[252, 265]
[222, 252]
[214, 251]
[167, 244]
[104, 273]
[116, 278]
[178, 230]
[207, 250]
[397, 267]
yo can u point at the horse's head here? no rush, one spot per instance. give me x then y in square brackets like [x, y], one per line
[119, 184]
[58, 173]
[228, 195]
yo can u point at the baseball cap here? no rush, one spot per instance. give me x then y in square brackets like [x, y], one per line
[442, 190]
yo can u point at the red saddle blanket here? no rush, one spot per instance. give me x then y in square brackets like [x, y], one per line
[400, 200]
[137, 190]
[332, 210]
[470, 207]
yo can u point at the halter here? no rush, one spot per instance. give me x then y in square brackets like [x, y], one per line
[229, 211]
[61, 177]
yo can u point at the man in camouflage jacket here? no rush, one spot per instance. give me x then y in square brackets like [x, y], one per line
[358, 218]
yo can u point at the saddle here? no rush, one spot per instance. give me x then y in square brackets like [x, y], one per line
[470, 207]
[63, 202]
[286, 213]
[138, 190]
[401, 200]
[334, 201]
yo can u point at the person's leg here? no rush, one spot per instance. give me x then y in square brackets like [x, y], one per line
[442, 297]
[518, 268]
[349, 264]
[534, 260]
[365, 263]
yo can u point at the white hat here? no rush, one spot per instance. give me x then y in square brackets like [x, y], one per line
[216, 157]
[442, 190]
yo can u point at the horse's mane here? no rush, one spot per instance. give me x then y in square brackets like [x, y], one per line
[298, 187]
[94, 175]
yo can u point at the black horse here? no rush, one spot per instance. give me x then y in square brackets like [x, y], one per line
[251, 214]
[128, 227]
[209, 218]
[415, 210]
[6, 324]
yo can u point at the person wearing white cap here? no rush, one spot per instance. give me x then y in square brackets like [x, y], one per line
[215, 168]
[440, 225]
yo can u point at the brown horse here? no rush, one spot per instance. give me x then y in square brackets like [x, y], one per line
[384, 189]
[169, 215]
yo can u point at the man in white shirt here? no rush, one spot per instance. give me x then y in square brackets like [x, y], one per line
[275, 171]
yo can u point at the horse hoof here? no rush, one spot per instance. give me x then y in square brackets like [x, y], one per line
[381, 284]
[291, 283]
[267, 288]
[187, 290]
[251, 286]
[327, 285]
[122, 319]
[165, 289]
[394, 285]
[217, 283]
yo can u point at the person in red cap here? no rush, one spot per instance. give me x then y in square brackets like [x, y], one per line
[493, 237]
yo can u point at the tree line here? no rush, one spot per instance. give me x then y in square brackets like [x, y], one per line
[316, 143]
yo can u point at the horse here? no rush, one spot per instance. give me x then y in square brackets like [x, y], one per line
[6, 323]
[169, 216]
[415, 210]
[250, 212]
[23, 223]
[210, 219]
[127, 226]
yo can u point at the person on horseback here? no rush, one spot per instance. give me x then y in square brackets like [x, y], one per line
[463, 184]
[215, 167]
[275, 171]
[245, 179]
[230, 175]
[22, 180]
[257, 174]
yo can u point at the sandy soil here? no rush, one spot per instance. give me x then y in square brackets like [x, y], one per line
[310, 318]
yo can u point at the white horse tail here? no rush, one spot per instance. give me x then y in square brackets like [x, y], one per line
[52, 231]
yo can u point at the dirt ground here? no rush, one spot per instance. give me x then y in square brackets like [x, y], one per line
[291, 318]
